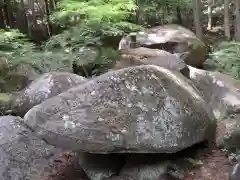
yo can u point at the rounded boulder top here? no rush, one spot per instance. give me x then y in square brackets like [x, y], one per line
[141, 109]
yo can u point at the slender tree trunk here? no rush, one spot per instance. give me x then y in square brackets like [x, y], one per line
[226, 20]
[48, 11]
[179, 16]
[2, 19]
[197, 21]
[139, 13]
[210, 3]
[52, 4]
[237, 20]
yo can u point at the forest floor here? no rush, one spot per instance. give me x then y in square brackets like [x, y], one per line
[215, 164]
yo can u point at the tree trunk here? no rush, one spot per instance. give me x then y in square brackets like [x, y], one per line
[210, 3]
[179, 16]
[237, 20]
[197, 22]
[226, 20]
[139, 13]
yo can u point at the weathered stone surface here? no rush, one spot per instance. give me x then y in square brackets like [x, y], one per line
[153, 167]
[172, 38]
[229, 138]
[142, 109]
[218, 90]
[101, 166]
[23, 155]
[142, 167]
[44, 87]
[235, 174]
[142, 55]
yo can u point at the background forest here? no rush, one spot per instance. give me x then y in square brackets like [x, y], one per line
[53, 35]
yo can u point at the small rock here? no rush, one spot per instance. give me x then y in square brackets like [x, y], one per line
[235, 174]
[229, 138]
[142, 167]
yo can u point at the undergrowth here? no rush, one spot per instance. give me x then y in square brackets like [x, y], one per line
[226, 58]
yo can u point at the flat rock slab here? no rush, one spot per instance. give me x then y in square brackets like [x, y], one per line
[142, 109]
[142, 55]
[23, 156]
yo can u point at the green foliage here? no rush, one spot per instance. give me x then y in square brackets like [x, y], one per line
[16, 49]
[13, 40]
[71, 12]
[226, 57]
[87, 24]
[89, 33]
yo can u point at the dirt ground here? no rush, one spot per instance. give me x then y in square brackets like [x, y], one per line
[215, 164]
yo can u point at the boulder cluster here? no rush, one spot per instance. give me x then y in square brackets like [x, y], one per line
[153, 101]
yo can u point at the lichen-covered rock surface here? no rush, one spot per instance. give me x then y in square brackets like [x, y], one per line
[172, 38]
[218, 90]
[142, 55]
[44, 87]
[142, 109]
[22, 154]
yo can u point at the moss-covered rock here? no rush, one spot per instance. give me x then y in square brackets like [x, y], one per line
[5, 103]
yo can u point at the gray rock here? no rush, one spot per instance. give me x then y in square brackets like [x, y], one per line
[235, 174]
[218, 90]
[101, 166]
[44, 87]
[229, 134]
[142, 167]
[142, 55]
[142, 109]
[17, 78]
[23, 155]
[172, 38]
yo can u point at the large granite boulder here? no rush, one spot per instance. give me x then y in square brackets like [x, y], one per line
[141, 109]
[142, 55]
[219, 91]
[44, 87]
[23, 155]
[172, 38]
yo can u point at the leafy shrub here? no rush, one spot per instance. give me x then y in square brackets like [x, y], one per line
[226, 58]
[72, 12]
[12, 40]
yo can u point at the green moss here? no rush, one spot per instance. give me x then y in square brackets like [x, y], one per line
[4, 97]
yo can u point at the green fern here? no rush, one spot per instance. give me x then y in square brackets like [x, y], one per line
[226, 58]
